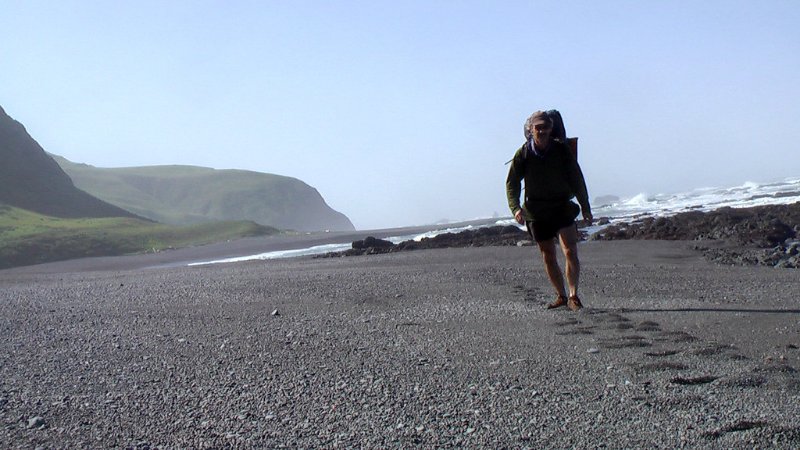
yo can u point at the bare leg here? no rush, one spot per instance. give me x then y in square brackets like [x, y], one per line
[569, 245]
[548, 249]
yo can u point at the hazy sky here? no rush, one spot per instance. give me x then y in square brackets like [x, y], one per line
[404, 112]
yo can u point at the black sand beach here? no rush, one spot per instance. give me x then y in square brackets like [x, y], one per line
[430, 348]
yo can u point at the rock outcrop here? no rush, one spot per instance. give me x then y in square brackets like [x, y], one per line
[480, 237]
[762, 235]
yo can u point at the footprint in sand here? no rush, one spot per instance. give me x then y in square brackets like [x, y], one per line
[632, 341]
[772, 434]
[718, 350]
[528, 294]
[676, 337]
[619, 332]
[662, 366]
[765, 375]
[662, 353]
[647, 325]
[574, 331]
[693, 381]
[572, 326]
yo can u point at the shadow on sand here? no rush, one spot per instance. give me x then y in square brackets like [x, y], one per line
[692, 310]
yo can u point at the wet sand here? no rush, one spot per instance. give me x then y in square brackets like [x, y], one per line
[445, 348]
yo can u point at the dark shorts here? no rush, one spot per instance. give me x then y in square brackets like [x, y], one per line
[546, 224]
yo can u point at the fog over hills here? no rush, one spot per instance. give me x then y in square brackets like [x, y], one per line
[32, 180]
[182, 195]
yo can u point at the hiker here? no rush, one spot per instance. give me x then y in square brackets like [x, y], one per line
[552, 178]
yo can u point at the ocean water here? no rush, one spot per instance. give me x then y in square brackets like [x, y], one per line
[703, 199]
[638, 206]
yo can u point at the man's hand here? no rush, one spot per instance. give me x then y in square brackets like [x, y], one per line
[518, 216]
[588, 219]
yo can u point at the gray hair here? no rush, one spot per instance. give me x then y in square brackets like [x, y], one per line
[528, 127]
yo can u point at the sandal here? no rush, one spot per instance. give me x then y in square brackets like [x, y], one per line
[558, 303]
[574, 303]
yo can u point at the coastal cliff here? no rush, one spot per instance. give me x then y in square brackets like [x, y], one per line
[30, 179]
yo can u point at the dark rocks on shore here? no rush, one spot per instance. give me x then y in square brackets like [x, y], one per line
[763, 235]
[782, 256]
[370, 241]
[488, 236]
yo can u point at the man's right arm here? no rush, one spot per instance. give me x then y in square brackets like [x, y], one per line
[514, 184]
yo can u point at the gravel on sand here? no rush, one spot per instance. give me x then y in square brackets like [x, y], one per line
[430, 348]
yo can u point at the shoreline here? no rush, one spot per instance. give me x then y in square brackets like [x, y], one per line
[764, 235]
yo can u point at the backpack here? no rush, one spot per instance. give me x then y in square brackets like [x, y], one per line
[560, 133]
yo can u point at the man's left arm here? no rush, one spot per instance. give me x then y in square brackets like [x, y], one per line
[578, 185]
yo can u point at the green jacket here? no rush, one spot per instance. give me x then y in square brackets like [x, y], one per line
[550, 180]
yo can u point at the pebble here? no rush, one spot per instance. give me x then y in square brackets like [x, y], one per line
[36, 422]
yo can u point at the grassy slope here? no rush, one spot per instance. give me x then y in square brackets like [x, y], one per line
[31, 238]
[187, 194]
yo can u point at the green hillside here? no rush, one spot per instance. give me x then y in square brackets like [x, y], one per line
[30, 238]
[184, 195]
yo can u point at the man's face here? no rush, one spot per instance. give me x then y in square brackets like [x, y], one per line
[541, 134]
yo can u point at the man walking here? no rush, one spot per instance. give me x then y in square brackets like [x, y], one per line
[552, 178]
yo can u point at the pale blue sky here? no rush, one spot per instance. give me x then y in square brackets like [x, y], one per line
[404, 113]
